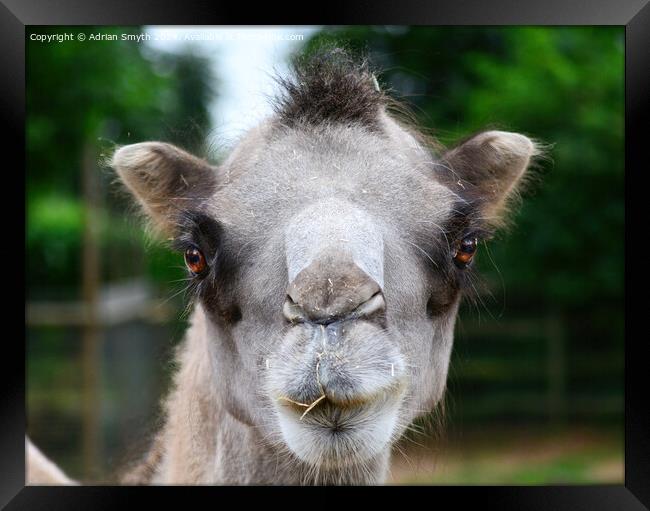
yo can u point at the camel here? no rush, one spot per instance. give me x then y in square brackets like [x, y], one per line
[327, 256]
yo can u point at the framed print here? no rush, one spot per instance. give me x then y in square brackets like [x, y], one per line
[382, 250]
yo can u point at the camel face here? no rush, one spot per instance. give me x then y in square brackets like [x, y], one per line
[349, 297]
[327, 256]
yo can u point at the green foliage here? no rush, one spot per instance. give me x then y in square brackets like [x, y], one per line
[563, 257]
[82, 99]
[562, 86]
[54, 237]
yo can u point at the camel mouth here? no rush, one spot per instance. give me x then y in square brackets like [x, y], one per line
[325, 411]
[336, 390]
[326, 405]
[329, 409]
[335, 435]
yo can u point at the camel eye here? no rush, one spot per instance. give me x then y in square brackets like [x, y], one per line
[465, 251]
[195, 260]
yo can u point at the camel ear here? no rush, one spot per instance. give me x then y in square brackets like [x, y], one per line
[492, 163]
[164, 179]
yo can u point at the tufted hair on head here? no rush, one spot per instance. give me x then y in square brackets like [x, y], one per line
[330, 85]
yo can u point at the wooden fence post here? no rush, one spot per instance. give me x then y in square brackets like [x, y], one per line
[556, 368]
[91, 334]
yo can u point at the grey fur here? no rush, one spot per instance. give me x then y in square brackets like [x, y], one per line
[357, 206]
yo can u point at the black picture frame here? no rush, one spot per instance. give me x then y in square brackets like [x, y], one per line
[634, 15]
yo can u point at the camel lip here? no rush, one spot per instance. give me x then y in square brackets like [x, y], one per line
[325, 403]
[337, 415]
[336, 437]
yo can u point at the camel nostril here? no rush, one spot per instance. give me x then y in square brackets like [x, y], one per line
[294, 313]
[373, 305]
[331, 288]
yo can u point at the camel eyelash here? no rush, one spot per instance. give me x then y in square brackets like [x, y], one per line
[198, 239]
[198, 229]
[464, 233]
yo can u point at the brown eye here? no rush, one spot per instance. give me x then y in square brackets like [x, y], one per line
[465, 251]
[195, 260]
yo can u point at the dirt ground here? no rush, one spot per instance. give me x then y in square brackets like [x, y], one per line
[512, 456]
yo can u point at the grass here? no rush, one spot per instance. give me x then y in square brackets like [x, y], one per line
[514, 456]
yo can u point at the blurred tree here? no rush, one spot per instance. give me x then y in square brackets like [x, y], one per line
[563, 259]
[562, 86]
[97, 93]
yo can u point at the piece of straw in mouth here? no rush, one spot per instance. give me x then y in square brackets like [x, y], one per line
[293, 402]
[309, 407]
